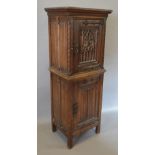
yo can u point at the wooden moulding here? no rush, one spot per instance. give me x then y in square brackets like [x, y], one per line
[77, 10]
[77, 76]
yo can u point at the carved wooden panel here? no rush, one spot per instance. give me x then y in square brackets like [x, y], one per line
[56, 103]
[59, 28]
[88, 40]
[88, 43]
[86, 98]
[61, 102]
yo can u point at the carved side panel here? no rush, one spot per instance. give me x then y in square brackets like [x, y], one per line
[53, 28]
[60, 43]
[61, 102]
[56, 99]
[65, 104]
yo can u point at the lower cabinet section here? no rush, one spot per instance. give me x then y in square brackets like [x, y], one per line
[76, 105]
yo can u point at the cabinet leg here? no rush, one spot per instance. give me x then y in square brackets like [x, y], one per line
[98, 129]
[70, 142]
[54, 128]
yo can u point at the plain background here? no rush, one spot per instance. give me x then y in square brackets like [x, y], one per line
[111, 53]
[18, 80]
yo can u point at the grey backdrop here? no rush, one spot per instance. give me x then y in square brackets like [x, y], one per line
[110, 78]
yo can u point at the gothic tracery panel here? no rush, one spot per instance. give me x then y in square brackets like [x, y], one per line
[88, 39]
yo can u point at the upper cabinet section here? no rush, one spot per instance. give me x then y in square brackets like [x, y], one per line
[76, 38]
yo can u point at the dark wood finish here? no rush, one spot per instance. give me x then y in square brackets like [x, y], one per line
[76, 56]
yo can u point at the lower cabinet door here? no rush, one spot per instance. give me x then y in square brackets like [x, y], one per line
[87, 101]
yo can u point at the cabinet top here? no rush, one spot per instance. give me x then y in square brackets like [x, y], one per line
[77, 10]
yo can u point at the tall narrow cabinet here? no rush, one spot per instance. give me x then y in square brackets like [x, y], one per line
[76, 56]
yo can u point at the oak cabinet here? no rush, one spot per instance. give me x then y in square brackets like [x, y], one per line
[76, 56]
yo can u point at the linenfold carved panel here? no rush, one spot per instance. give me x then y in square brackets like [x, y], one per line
[87, 94]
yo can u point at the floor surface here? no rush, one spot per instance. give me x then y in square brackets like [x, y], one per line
[89, 143]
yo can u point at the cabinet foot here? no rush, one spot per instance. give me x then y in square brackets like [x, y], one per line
[70, 142]
[97, 129]
[54, 128]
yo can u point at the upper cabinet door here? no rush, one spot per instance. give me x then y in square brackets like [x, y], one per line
[88, 43]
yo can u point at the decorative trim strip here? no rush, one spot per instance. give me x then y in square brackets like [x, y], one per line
[77, 76]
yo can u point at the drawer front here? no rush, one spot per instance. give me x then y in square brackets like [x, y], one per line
[88, 44]
[87, 101]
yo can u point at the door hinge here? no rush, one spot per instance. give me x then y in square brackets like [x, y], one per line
[75, 49]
